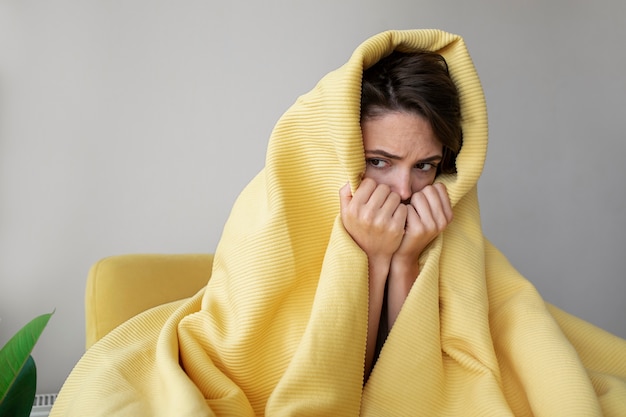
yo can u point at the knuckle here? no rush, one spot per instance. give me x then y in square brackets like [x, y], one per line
[383, 188]
[417, 197]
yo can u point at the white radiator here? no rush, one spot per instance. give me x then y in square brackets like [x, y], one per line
[42, 405]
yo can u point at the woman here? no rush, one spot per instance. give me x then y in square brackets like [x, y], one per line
[287, 322]
[411, 127]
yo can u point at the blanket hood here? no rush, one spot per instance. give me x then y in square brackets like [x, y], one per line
[286, 265]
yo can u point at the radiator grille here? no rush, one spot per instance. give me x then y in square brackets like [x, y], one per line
[42, 405]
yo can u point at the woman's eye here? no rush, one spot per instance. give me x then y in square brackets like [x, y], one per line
[377, 163]
[425, 167]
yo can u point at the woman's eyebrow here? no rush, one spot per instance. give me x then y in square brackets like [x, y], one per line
[380, 152]
[434, 158]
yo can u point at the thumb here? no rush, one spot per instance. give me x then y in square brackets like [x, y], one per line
[412, 218]
[345, 195]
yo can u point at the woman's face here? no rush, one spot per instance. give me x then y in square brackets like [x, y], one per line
[401, 151]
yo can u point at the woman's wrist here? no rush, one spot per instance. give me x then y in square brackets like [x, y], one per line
[379, 269]
[402, 275]
[404, 268]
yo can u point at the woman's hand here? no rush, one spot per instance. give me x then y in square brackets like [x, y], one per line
[374, 217]
[428, 215]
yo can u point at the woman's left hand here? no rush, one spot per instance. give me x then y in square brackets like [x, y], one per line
[429, 213]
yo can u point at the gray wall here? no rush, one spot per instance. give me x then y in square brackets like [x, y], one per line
[131, 126]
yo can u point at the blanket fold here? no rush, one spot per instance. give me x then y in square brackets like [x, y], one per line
[281, 327]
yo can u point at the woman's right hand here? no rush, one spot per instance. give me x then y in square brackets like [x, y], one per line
[374, 217]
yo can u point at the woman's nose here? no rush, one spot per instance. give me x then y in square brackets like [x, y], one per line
[402, 187]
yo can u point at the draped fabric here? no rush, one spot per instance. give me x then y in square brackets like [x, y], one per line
[281, 327]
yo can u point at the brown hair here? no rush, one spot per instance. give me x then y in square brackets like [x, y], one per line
[418, 83]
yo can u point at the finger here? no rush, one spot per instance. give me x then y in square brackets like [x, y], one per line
[391, 203]
[400, 211]
[364, 191]
[412, 218]
[345, 195]
[379, 196]
[422, 207]
[432, 199]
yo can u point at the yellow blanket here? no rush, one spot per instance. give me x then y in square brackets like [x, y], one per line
[281, 327]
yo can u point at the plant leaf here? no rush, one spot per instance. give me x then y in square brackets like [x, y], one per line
[21, 395]
[14, 354]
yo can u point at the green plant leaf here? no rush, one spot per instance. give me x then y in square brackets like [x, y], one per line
[21, 396]
[15, 353]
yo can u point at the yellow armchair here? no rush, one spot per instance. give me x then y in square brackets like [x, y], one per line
[120, 287]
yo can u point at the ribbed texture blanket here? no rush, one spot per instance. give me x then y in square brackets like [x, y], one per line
[281, 327]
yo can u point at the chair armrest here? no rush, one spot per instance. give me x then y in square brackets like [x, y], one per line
[120, 287]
